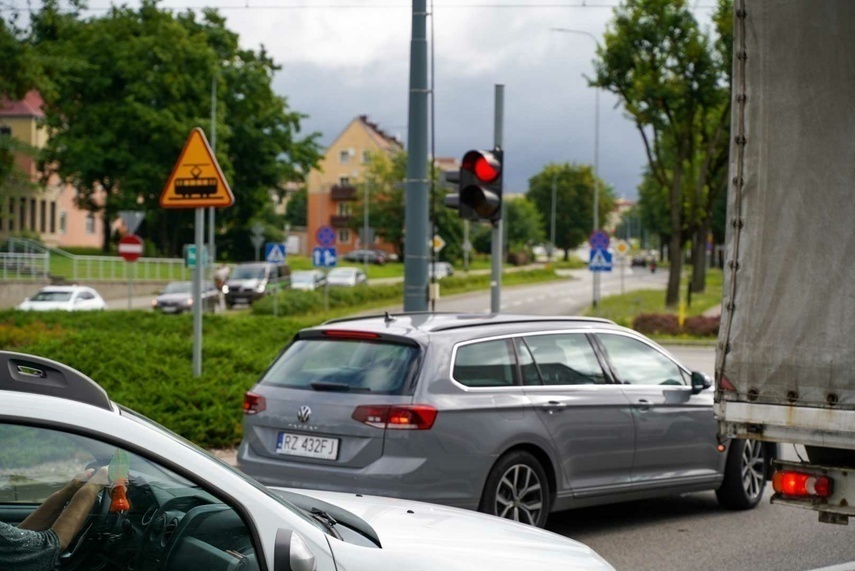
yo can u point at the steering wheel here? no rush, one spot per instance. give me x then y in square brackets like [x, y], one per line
[82, 545]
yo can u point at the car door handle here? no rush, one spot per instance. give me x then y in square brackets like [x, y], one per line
[553, 406]
[642, 405]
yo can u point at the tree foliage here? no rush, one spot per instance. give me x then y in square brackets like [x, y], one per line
[118, 117]
[574, 203]
[663, 68]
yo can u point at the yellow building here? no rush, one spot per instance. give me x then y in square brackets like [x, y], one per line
[30, 206]
[332, 185]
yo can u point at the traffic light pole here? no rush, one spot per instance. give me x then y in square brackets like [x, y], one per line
[496, 249]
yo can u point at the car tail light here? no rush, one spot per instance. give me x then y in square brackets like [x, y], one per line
[726, 385]
[415, 417]
[253, 403]
[800, 485]
[345, 334]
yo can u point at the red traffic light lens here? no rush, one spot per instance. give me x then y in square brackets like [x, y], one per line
[483, 164]
[485, 171]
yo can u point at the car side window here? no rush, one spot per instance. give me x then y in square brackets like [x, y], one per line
[486, 364]
[530, 374]
[566, 359]
[637, 363]
[169, 523]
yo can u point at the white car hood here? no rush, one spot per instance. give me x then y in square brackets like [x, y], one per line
[427, 536]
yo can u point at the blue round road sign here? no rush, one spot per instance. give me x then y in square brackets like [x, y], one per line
[325, 236]
[599, 240]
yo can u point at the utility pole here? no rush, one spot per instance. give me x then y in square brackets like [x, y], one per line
[211, 246]
[496, 248]
[552, 223]
[416, 202]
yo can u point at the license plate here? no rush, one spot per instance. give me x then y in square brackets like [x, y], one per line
[307, 446]
[168, 309]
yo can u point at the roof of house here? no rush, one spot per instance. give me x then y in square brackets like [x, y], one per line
[29, 106]
[384, 140]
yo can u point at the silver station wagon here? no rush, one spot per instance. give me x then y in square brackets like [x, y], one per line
[513, 415]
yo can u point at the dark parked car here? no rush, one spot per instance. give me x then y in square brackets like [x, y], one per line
[378, 257]
[513, 415]
[177, 297]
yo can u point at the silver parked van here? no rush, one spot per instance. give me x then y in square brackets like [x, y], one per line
[250, 281]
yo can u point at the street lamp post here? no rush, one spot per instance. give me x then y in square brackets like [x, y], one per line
[596, 217]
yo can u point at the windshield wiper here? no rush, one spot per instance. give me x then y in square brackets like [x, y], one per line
[327, 386]
[327, 520]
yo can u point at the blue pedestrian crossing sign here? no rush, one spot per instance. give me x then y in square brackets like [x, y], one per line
[274, 252]
[601, 260]
[324, 257]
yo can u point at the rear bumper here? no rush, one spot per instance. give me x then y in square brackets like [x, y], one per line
[392, 476]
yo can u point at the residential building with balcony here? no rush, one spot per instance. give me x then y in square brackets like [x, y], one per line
[29, 205]
[335, 184]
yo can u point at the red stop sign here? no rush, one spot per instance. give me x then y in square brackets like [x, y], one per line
[130, 247]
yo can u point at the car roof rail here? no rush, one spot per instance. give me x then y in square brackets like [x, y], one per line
[387, 315]
[499, 319]
[24, 373]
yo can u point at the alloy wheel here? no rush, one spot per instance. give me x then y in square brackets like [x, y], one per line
[520, 495]
[753, 468]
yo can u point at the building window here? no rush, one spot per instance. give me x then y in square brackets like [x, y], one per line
[42, 216]
[5, 130]
[343, 209]
[344, 181]
[22, 215]
[90, 223]
[53, 217]
[62, 222]
[344, 157]
[366, 156]
[33, 214]
[344, 236]
[11, 218]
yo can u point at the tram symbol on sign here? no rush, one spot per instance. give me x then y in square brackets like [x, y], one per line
[203, 186]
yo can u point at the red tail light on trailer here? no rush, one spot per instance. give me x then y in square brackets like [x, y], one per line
[801, 485]
[253, 403]
[413, 417]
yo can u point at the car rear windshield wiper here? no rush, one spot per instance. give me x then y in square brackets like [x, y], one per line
[326, 386]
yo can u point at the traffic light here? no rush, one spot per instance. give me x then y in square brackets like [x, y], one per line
[480, 186]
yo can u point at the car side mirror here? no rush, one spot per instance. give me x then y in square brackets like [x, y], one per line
[700, 382]
[292, 553]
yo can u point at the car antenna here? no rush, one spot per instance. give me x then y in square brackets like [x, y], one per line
[388, 318]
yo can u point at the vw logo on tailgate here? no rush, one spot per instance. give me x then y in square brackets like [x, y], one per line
[304, 414]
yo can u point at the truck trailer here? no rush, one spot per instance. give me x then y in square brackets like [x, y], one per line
[785, 359]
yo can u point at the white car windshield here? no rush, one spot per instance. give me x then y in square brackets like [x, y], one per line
[52, 296]
[250, 273]
[303, 277]
[177, 287]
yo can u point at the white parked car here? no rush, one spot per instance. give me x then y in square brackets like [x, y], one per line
[346, 276]
[308, 280]
[64, 298]
[187, 510]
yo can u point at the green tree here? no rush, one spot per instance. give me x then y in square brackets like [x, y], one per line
[574, 204]
[296, 211]
[524, 222]
[659, 63]
[118, 117]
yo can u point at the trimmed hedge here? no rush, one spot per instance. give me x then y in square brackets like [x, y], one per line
[668, 324]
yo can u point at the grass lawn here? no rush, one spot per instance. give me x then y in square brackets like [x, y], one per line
[623, 308]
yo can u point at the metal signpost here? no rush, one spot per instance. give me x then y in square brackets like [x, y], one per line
[274, 252]
[197, 182]
[130, 248]
[325, 256]
[600, 261]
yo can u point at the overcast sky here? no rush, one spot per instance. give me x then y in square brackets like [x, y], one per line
[343, 58]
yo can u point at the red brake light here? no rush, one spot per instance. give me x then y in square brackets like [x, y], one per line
[253, 403]
[415, 417]
[801, 485]
[345, 334]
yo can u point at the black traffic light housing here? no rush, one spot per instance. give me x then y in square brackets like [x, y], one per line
[479, 195]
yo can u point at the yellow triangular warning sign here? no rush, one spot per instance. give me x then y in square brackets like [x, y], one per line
[196, 181]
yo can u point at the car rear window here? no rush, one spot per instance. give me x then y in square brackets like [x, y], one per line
[345, 365]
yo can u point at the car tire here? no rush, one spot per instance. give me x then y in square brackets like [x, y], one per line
[745, 474]
[518, 489]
